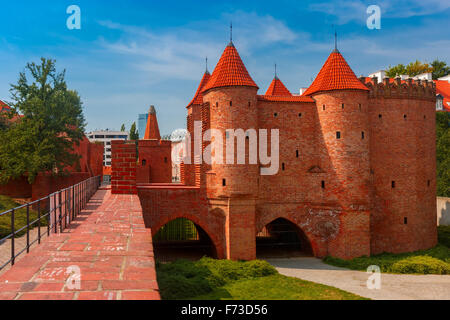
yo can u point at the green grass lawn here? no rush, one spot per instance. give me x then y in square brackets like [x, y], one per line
[20, 216]
[431, 261]
[210, 279]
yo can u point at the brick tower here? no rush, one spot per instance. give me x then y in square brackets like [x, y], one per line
[231, 95]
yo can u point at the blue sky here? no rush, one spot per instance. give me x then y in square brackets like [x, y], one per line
[131, 54]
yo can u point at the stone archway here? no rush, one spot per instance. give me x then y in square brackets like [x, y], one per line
[282, 238]
[205, 240]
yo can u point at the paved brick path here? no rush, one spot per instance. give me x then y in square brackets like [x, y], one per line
[107, 242]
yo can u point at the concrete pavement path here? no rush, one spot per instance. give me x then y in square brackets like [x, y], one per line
[393, 286]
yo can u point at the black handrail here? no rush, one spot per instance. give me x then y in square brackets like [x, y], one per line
[58, 210]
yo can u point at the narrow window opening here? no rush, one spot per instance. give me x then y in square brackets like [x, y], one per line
[342, 106]
[296, 153]
[224, 182]
[323, 184]
[393, 184]
[299, 115]
[404, 116]
[144, 162]
[428, 182]
[338, 134]
[165, 159]
[362, 135]
[282, 166]
[275, 114]
[424, 117]
[249, 103]
[323, 107]
[231, 103]
[379, 116]
[217, 104]
[405, 220]
[360, 107]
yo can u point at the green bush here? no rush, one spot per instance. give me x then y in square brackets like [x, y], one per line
[421, 265]
[183, 279]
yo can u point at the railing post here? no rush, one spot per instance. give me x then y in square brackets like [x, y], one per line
[28, 228]
[13, 231]
[73, 202]
[60, 213]
[55, 209]
[39, 222]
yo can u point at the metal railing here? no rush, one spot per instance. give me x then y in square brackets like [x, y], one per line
[54, 213]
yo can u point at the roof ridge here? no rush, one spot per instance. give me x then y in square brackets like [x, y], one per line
[198, 97]
[277, 88]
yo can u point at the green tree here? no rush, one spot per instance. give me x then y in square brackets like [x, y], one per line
[395, 71]
[442, 153]
[440, 69]
[134, 134]
[122, 128]
[43, 139]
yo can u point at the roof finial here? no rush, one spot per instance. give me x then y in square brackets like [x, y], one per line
[276, 71]
[335, 40]
[206, 59]
[231, 31]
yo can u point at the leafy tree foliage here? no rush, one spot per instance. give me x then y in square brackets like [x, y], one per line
[437, 68]
[412, 69]
[122, 128]
[134, 134]
[42, 140]
[440, 69]
[442, 153]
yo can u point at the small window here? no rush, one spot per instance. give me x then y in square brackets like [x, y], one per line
[424, 117]
[165, 159]
[362, 135]
[217, 104]
[296, 153]
[275, 114]
[300, 115]
[249, 103]
[342, 106]
[393, 184]
[282, 166]
[231, 103]
[144, 162]
[379, 116]
[360, 106]
[404, 116]
[338, 134]
[224, 182]
[323, 184]
[429, 182]
[405, 220]
[323, 107]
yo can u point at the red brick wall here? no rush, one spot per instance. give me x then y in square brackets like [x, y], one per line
[18, 188]
[164, 203]
[123, 164]
[158, 157]
[46, 184]
[403, 150]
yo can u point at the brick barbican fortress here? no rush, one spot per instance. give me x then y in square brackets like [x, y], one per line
[357, 161]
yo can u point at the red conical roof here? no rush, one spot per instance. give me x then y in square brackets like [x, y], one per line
[335, 74]
[198, 98]
[4, 106]
[277, 88]
[230, 71]
[152, 129]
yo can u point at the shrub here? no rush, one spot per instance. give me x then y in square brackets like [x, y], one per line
[183, 279]
[421, 265]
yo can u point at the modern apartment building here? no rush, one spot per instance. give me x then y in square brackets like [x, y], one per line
[106, 136]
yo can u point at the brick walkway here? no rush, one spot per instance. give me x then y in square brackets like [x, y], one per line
[107, 242]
